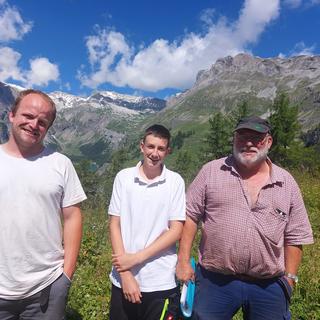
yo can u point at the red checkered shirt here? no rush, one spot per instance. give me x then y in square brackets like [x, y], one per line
[237, 238]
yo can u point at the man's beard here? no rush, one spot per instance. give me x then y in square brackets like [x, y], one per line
[252, 161]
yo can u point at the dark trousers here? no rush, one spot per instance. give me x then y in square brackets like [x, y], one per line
[48, 304]
[150, 309]
[219, 297]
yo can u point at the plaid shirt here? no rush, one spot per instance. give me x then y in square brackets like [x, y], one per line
[237, 238]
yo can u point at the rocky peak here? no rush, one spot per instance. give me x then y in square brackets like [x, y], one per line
[299, 66]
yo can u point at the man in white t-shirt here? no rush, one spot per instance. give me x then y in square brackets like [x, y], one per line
[38, 189]
[146, 214]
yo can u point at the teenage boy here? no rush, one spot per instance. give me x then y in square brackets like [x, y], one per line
[147, 211]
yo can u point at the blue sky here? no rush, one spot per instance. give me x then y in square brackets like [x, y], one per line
[151, 48]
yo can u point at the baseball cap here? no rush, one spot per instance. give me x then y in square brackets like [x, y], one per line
[254, 123]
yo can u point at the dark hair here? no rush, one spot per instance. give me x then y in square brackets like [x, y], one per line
[25, 93]
[157, 130]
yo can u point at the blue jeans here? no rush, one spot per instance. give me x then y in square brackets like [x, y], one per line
[219, 297]
[48, 304]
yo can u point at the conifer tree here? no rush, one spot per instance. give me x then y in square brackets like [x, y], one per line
[241, 111]
[218, 140]
[285, 127]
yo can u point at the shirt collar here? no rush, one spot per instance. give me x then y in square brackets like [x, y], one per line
[275, 174]
[158, 179]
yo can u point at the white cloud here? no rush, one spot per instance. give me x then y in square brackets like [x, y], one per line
[41, 72]
[306, 4]
[207, 15]
[9, 64]
[255, 16]
[164, 64]
[301, 49]
[12, 26]
[293, 3]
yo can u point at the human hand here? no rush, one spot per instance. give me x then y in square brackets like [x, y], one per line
[130, 287]
[184, 271]
[124, 261]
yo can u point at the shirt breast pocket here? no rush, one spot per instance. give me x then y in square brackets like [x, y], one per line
[272, 224]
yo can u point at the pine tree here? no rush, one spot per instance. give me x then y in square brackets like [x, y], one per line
[241, 111]
[285, 127]
[218, 140]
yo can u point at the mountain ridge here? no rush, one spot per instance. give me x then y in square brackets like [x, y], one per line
[92, 127]
[231, 80]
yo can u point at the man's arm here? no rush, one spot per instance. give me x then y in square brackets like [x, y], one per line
[72, 234]
[125, 261]
[292, 259]
[129, 284]
[184, 270]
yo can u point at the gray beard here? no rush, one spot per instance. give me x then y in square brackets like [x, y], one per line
[259, 157]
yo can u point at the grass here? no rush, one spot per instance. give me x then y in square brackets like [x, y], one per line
[90, 293]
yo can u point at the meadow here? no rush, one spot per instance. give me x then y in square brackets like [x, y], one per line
[90, 293]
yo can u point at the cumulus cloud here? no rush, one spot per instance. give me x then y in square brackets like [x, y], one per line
[41, 72]
[9, 64]
[165, 64]
[12, 26]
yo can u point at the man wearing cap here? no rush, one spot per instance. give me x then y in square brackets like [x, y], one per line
[253, 223]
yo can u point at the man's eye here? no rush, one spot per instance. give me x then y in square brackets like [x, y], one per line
[42, 124]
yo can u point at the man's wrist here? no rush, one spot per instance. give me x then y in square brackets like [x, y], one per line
[291, 278]
[69, 273]
[183, 259]
[125, 274]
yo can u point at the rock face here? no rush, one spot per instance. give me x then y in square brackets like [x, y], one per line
[8, 94]
[243, 77]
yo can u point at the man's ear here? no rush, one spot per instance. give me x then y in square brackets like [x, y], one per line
[169, 150]
[141, 146]
[11, 116]
[270, 140]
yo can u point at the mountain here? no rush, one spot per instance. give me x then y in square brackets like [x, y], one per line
[92, 127]
[87, 127]
[8, 94]
[232, 80]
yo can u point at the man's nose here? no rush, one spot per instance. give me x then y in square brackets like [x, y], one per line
[34, 123]
[155, 152]
[249, 142]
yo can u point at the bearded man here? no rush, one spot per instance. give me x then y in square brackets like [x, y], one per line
[254, 224]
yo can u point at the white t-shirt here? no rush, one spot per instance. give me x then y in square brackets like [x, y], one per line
[32, 193]
[145, 210]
